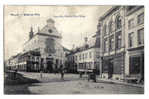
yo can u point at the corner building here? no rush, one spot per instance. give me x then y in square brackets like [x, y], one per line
[122, 40]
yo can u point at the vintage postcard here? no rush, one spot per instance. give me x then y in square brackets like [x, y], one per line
[73, 49]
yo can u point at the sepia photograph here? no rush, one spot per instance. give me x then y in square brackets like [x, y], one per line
[73, 49]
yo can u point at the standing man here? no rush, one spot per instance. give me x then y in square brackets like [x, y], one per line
[41, 74]
[62, 72]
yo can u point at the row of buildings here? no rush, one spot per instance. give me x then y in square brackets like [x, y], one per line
[118, 50]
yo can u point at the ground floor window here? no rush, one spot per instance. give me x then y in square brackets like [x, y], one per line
[113, 65]
[136, 64]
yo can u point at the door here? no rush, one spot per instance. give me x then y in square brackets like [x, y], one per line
[110, 69]
[49, 66]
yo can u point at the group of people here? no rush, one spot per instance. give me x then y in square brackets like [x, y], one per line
[61, 70]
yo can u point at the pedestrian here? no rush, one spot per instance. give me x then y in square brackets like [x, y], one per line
[55, 70]
[94, 75]
[62, 72]
[41, 74]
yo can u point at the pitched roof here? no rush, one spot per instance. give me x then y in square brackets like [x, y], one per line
[65, 49]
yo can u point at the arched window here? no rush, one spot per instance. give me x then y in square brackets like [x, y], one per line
[105, 29]
[110, 26]
[118, 22]
[99, 29]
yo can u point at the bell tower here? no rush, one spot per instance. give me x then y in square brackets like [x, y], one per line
[50, 22]
[31, 33]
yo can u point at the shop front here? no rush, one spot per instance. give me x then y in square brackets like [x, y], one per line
[136, 64]
[112, 66]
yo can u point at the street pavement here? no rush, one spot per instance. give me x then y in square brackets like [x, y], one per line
[72, 84]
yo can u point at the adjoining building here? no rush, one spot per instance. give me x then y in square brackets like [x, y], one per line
[113, 42]
[43, 50]
[12, 62]
[134, 33]
[85, 58]
[29, 61]
[122, 42]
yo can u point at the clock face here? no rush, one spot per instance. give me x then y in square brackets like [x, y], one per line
[50, 31]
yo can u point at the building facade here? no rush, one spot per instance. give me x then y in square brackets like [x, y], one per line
[134, 33]
[43, 50]
[86, 58]
[12, 62]
[113, 52]
[122, 41]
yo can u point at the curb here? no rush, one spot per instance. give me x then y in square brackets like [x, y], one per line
[122, 83]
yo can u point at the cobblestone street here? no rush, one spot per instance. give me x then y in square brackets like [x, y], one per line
[52, 84]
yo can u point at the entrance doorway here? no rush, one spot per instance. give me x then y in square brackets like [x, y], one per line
[49, 66]
[110, 69]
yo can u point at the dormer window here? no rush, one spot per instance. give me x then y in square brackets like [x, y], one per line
[50, 31]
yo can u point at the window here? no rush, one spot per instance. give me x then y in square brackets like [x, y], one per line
[141, 36]
[97, 42]
[110, 27]
[105, 30]
[118, 40]
[80, 56]
[98, 32]
[70, 58]
[73, 58]
[130, 23]
[61, 55]
[90, 54]
[130, 36]
[83, 56]
[32, 58]
[118, 22]
[111, 46]
[76, 58]
[141, 18]
[86, 55]
[105, 45]
[97, 54]
[135, 63]
[50, 31]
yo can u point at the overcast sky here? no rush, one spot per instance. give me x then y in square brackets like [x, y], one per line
[73, 22]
